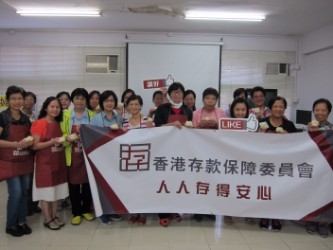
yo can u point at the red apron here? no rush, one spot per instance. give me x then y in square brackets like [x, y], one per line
[77, 172]
[182, 118]
[14, 162]
[51, 167]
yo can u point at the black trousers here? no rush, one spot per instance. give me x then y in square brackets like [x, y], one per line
[80, 197]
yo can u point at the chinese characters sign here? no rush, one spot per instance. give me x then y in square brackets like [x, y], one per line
[210, 172]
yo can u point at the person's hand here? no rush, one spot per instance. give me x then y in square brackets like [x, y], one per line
[261, 130]
[149, 123]
[207, 123]
[24, 144]
[120, 109]
[311, 127]
[152, 111]
[189, 124]
[176, 124]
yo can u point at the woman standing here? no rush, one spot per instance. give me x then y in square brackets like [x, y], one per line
[28, 105]
[50, 180]
[65, 99]
[79, 189]
[106, 118]
[16, 161]
[137, 120]
[175, 114]
[209, 115]
[189, 99]
[121, 107]
[258, 97]
[93, 103]
[321, 110]
[276, 123]
[158, 99]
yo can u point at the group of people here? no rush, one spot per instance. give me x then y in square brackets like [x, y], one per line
[45, 151]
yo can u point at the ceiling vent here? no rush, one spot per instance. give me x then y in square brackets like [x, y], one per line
[157, 9]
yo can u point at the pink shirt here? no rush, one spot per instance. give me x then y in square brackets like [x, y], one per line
[201, 114]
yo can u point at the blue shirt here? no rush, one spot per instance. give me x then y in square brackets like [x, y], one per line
[83, 120]
[101, 120]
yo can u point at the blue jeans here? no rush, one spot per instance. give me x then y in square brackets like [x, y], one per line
[17, 200]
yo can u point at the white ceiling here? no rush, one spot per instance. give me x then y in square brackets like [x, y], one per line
[284, 17]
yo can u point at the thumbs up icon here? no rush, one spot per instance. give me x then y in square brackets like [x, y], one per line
[252, 123]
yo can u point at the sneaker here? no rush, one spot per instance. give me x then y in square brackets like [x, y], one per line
[276, 225]
[311, 227]
[263, 224]
[115, 217]
[14, 231]
[105, 219]
[322, 230]
[76, 220]
[25, 229]
[88, 216]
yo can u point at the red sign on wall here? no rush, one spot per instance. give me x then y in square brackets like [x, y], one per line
[152, 84]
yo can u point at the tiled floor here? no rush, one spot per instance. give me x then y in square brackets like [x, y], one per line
[185, 235]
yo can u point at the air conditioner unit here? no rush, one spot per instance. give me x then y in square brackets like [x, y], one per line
[102, 64]
[277, 69]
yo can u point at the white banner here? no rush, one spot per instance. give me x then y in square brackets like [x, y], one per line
[165, 170]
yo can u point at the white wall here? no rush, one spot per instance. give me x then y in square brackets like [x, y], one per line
[243, 59]
[315, 78]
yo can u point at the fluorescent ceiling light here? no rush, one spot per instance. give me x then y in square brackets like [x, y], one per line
[59, 12]
[247, 17]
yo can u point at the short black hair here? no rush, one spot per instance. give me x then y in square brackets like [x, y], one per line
[11, 90]
[105, 95]
[277, 98]
[157, 92]
[235, 102]
[63, 93]
[175, 86]
[256, 89]
[28, 93]
[190, 92]
[46, 103]
[133, 98]
[91, 94]
[125, 93]
[323, 100]
[240, 91]
[80, 92]
[210, 91]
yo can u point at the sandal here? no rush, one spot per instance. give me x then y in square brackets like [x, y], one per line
[133, 219]
[164, 222]
[51, 225]
[176, 217]
[58, 222]
[142, 220]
